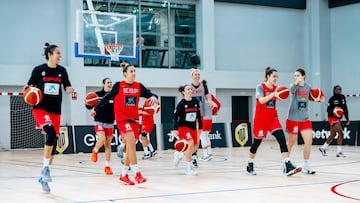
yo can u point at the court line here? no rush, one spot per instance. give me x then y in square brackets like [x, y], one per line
[210, 192]
[333, 189]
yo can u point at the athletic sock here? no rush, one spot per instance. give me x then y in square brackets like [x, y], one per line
[151, 148]
[135, 168]
[107, 163]
[146, 151]
[124, 171]
[46, 162]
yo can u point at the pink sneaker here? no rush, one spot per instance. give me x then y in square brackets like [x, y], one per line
[125, 179]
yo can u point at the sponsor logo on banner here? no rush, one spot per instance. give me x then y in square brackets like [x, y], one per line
[63, 140]
[321, 131]
[241, 134]
[217, 135]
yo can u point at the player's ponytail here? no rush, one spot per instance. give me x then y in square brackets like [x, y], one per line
[49, 49]
[268, 72]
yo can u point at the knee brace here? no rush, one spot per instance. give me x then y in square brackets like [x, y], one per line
[54, 147]
[204, 139]
[280, 137]
[255, 145]
[50, 137]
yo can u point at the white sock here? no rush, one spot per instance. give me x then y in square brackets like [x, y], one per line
[124, 171]
[338, 149]
[286, 159]
[205, 152]
[96, 150]
[250, 160]
[135, 168]
[188, 166]
[209, 150]
[151, 147]
[46, 162]
[146, 151]
[325, 145]
[306, 163]
[107, 163]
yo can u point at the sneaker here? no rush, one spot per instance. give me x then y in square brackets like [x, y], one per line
[108, 170]
[146, 156]
[177, 158]
[125, 179]
[154, 153]
[323, 151]
[139, 178]
[191, 172]
[289, 169]
[206, 158]
[250, 169]
[340, 154]
[195, 163]
[307, 170]
[94, 156]
[45, 174]
[44, 185]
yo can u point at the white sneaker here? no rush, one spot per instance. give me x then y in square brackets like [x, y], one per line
[191, 172]
[206, 158]
[177, 158]
[308, 170]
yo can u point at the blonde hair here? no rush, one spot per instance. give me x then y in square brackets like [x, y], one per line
[193, 70]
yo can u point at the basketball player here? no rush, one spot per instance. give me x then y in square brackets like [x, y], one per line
[104, 126]
[187, 121]
[337, 100]
[49, 77]
[266, 120]
[146, 127]
[207, 125]
[126, 95]
[298, 117]
[201, 93]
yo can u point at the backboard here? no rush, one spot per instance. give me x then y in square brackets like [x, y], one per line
[94, 30]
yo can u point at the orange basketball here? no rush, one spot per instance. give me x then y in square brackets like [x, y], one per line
[338, 112]
[282, 92]
[32, 96]
[316, 94]
[151, 109]
[181, 145]
[91, 99]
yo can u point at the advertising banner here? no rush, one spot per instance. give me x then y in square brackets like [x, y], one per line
[65, 142]
[241, 134]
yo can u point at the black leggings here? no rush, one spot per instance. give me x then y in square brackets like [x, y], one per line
[280, 137]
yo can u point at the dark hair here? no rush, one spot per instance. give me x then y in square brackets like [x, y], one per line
[269, 71]
[125, 66]
[104, 80]
[182, 88]
[301, 71]
[49, 49]
[336, 86]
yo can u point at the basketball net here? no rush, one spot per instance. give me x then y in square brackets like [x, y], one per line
[114, 50]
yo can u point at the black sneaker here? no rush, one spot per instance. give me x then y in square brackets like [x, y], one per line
[146, 156]
[194, 163]
[289, 169]
[250, 169]
[154, 153]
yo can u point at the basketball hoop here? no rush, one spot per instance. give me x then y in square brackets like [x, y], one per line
[114, 50]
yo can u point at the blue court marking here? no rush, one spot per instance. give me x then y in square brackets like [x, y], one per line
[211, 191]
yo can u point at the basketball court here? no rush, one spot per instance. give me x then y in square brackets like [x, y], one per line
[77, 179]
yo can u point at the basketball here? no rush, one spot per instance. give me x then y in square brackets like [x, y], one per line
[216, 107]
[338, 112]
[181, 145]
[151, 109]
[316, 94]
[91, 99]
[32, 96]
[282, 92]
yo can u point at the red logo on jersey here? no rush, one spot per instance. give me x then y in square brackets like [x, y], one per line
[52, 79]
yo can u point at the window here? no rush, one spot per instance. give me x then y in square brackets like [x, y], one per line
[166, 34]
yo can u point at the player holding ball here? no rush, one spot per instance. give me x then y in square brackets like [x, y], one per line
[337, 100]
[298, 116]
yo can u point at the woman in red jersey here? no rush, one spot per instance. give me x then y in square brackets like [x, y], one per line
[266, 120]
[49, 77]
[126, 95]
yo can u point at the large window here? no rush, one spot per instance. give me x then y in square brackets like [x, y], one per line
[166, 34]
